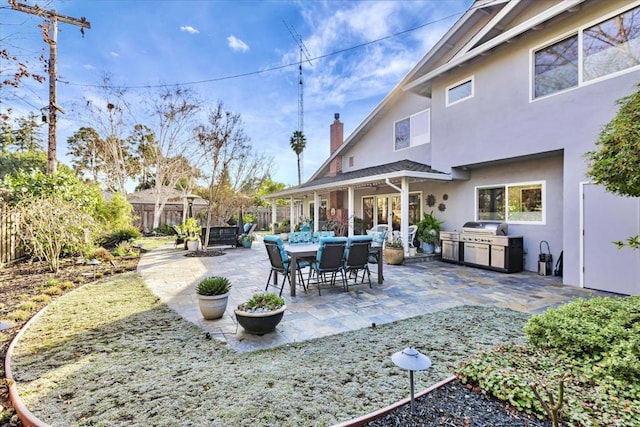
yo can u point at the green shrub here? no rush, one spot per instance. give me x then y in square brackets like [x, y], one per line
[215, 285]
[602, 331]
[27, 306]
[102, 255]
[507, 370]
[41, 298]
[117, 213]
[54, 290]
[19, 315]
[125, 234]
[125, 249]
[164, 229]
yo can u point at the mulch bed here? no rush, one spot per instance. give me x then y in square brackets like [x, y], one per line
[456, 405]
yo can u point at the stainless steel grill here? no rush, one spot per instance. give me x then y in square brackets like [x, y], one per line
[486, 244]
[450, 246]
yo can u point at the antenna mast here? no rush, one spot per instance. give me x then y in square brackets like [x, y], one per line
[303, 53]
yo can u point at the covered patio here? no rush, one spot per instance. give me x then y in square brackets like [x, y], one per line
[407, 291]
[385, 191]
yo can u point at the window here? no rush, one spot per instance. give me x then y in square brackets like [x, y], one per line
[460, 91]
[412, 131]
[612, 45]
[513, 203]
[556, 67]
[603, 49]
[322, 210]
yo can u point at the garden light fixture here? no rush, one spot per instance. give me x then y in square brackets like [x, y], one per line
[412, 360]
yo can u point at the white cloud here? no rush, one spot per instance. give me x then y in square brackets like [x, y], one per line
[88, 67]
[237, 44]
[189, 29]
[114, 54]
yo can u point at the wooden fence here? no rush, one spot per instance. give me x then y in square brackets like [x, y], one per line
[10, 248]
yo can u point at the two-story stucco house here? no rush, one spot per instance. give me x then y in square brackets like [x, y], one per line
[492, 125]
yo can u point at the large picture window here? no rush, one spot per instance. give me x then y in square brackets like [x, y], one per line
[412, 131]
[603, 49]
[556, 67]
[612, 46]
[512, 203]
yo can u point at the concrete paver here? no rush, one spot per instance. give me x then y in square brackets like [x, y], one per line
[408, 290]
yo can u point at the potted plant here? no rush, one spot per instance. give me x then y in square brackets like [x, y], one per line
[213, 294]
[191, 229]
[246, 239]
[261, 313]
[394, 251]
[429, 232]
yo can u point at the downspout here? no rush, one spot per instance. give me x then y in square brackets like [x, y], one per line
[392, 185]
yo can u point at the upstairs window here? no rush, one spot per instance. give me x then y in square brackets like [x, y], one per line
[604, 49]
[556, 67]
[612, 45]
[460, 91]
[412, 131]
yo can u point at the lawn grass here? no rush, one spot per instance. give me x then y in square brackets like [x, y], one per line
[110, 353]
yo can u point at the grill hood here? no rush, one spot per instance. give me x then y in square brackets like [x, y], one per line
[486, 228]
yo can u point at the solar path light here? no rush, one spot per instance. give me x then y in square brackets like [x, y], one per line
[412, 360]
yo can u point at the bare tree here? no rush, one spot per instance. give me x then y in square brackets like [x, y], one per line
[111, 117]
[236, 171]
[167, 157]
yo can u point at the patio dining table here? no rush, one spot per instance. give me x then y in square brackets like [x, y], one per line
[310, 250]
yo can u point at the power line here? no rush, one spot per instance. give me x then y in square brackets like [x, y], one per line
[275, 68]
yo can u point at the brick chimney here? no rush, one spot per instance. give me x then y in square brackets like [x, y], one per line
[337, 138]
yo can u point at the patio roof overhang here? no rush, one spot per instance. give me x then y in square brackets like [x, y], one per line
[368, 177]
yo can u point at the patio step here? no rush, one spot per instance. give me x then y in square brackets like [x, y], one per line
[422, 258]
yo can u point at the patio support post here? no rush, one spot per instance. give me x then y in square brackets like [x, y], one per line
[274, 213]
[316, 211]
[292, 213]
[404, 214]
[350, 204]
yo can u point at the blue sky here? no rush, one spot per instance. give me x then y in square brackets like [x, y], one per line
[151, 42]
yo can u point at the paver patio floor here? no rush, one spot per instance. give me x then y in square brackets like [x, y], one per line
[408, 290]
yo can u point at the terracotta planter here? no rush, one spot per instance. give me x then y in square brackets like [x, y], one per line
[394, 256]
[260, 323]
[213, 306]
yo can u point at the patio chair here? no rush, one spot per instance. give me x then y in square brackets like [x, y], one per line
[280, 262]
[412, 234]
[378, 236]
[357, 259]
[180, 236]
[329, 261]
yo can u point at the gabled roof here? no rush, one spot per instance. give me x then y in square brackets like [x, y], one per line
[366, 177]
[486, 25]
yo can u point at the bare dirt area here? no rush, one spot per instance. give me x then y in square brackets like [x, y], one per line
[26, 287]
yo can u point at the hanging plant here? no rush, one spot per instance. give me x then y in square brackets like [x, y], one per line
[431, 200]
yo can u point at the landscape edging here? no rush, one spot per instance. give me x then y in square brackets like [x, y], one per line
[27, 418]
[362, 420]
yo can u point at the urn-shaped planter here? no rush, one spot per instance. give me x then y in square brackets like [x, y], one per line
[213, 307]
[213, 295]
[261, 314]
[193, 245]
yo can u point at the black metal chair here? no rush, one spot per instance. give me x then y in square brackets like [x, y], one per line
[280, 262]
[329, 261]
[357, 259]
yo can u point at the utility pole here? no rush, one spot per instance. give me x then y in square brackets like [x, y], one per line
[50, 36]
